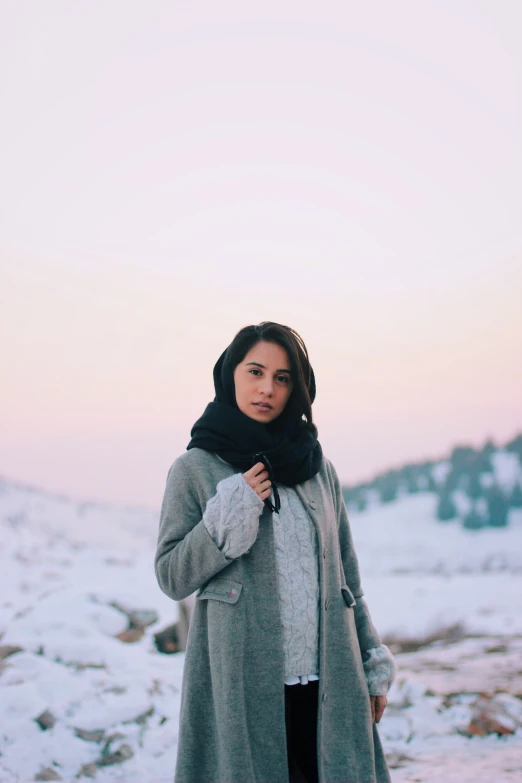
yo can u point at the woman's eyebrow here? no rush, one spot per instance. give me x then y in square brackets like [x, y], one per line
[264, 368]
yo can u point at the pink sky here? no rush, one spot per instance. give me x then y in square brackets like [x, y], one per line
[173, 173]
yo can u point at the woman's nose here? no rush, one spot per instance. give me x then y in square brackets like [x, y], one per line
[266, 386]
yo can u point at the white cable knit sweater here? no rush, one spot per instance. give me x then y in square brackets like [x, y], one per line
[296, 553]
[232, 519]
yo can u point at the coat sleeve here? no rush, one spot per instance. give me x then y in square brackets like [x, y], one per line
[186, 554]
[366, 631]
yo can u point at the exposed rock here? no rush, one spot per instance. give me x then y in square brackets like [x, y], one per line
[123, 753]
[511, 706]
[142, 618]
[88, 771]
[496, 648]
[489, 717]
[131, 635]
[95, 735]
[479, 666]
[81, 666]
[110, 738]
[46, 720]
[115, 689]
[447, 635]
[173, 638]
[9, 649]
[47, 774]
[142, 719]
[397, 760]
[167, 641]
[138, 618]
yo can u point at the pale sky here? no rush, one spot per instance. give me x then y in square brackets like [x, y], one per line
[172, 171]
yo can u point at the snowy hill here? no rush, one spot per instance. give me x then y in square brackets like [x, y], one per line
[72, 574]
[478, 487]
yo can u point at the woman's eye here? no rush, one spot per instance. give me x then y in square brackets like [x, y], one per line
[283, 378]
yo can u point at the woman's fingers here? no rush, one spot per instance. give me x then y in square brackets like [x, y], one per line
[257, 478]
[380, 704]
[254, 470]
[264, 493]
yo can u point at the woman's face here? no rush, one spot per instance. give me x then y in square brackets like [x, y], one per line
[264, 376]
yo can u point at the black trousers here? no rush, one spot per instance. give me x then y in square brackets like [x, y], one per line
[301, 731]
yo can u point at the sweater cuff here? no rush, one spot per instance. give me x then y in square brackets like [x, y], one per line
[232, 516]
[380, 669]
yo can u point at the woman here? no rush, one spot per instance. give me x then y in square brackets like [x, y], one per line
[285, 676]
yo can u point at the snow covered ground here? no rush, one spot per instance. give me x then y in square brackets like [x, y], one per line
[70, 574]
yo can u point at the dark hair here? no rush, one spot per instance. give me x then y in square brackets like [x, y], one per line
[300, 400]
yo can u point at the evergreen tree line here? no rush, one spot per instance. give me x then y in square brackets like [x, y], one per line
[490, 504]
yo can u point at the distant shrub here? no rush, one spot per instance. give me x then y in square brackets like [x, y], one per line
[498, 507]
[515, 446]
[431, 484]
[361, 503]
[388, 487]
[483, 463]
[466, 460]
[355, 498]
[474, 488]
[412, 486]
[451, 482]
[462, 458]
[515, 497]
[410, 476]
[426, 465]
[446, 508]
[474, 520]
[489, 448]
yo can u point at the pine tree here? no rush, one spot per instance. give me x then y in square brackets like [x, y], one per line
[361, 503]
[388, 487]
[489, 447]
[446, 508]
[474, 520]
[474, 487]
[498, 507]
[411, 486]
[515, 497]
[515, 446]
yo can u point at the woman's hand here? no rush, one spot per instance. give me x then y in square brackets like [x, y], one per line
[378, 704]
[257, 478]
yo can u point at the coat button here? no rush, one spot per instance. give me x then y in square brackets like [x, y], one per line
[324, 552]
[324, 697]
[312, 504]
[327, 603]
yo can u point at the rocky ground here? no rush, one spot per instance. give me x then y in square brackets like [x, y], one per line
[85, 694]
[455, 712]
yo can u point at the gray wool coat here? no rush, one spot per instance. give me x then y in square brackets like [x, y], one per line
[232, 720]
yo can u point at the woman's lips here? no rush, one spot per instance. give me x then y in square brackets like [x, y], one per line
[262, 408]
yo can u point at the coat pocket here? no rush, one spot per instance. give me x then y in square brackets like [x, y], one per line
[348, 596]
[221, 589]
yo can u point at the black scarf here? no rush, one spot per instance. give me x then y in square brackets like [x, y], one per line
[288, 448]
